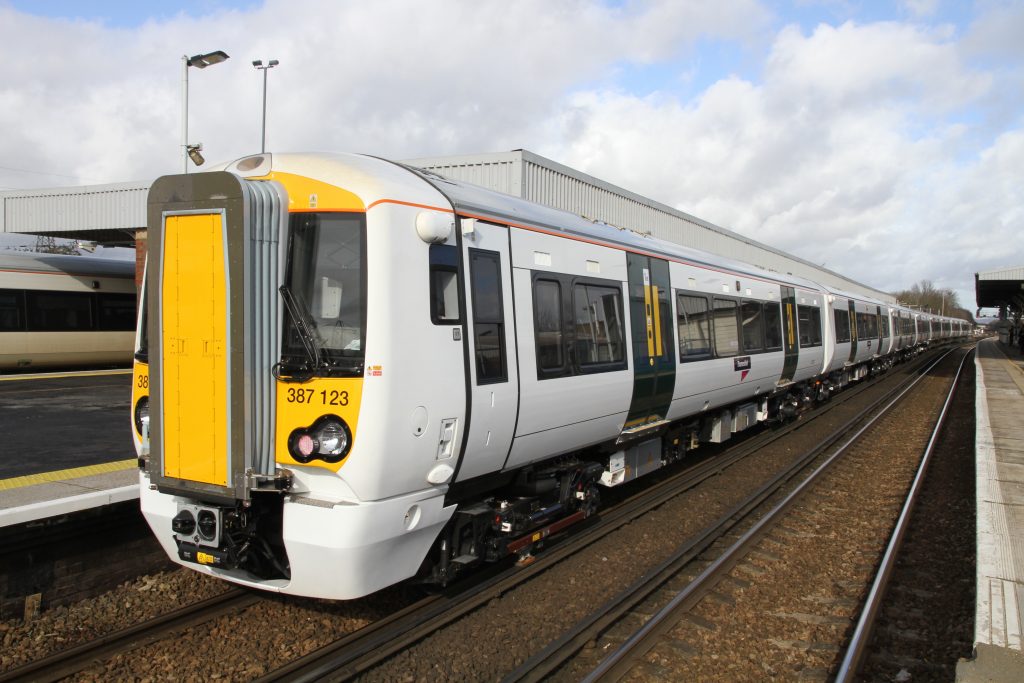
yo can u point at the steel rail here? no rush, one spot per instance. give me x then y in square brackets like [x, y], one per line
[74, 659]
[862, 633]
[559, 651]
[617, 663]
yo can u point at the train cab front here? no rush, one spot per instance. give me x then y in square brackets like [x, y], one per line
[256, 319]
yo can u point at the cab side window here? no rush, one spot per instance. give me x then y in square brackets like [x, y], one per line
[488, 316]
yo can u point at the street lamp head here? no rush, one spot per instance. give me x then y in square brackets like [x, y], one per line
[273, 62]
[194, 155]
[257, 63]
[203, 61]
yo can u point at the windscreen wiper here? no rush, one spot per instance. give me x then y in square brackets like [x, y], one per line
[307, 333]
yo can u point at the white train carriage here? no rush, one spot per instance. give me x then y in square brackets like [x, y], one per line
[65, 311]
[862, 336]
[354, 372]
[904, 331]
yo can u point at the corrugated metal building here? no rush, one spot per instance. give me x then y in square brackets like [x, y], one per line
[1002, 288]
[112, 213]
[109, 214]
[524, 174]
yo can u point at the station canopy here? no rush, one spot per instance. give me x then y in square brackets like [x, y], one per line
[999, 288]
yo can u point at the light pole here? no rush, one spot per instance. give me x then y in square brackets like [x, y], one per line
[258, 63]
[200, 62]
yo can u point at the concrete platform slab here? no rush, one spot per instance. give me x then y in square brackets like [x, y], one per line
[49, 494]
[999, 447]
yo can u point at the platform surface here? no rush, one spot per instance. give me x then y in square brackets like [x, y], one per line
[65, 443]
[58, 421]
[51, 494]
[999, 453]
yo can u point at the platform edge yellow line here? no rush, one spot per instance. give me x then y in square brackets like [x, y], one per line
[64, 475]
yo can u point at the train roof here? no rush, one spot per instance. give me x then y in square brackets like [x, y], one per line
[93, 266]
[474, 200]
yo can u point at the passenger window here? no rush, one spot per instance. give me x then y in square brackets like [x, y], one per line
[867, 326]
[59, 311]
[444, 285]
[488, 316]
[116, 312]
[842, 318]
[12, 310]
[599, 336]
[547, 305]
[694, 327]
[772, 327]
[809, 318]
[727, 341]
[752, 324]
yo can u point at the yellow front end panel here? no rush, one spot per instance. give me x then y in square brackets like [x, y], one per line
[140, 387]
[299, 405]
[194, 342]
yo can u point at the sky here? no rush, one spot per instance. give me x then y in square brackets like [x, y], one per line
[883, 140]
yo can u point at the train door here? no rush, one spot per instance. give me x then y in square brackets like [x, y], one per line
[654, 367]
[880, 329]
[494, 372]
[854, 332]
[790, 348]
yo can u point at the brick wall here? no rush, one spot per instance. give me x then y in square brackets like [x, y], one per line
[75, 557]
[141, 249]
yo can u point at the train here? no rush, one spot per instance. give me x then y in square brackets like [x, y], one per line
[66, 311]
[352, 372]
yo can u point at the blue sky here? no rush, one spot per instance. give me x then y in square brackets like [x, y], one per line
[126, 13]
[884, 139]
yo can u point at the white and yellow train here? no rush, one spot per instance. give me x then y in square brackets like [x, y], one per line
[351, 372]
[65, 311]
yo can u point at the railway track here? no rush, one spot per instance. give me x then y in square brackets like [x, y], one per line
[910, 622]
[637, 637]
[73, 660]
[363, 650]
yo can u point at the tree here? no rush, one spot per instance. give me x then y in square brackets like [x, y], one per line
[927, 297]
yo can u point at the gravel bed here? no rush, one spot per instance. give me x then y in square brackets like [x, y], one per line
[246, 645]
[496, 639]
[927, 621]
[790, 607]
[131, 603]
[237, 647]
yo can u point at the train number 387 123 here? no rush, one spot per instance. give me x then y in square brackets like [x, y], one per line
[327, 398]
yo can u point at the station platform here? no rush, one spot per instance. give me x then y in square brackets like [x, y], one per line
[66, 445]
[44, 495]
[999, 457]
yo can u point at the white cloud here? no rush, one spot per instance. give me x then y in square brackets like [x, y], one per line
[843, 154]
[920, 8]
[388, 77]
[856, 144]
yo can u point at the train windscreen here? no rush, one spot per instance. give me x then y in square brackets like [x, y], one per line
[326, 279]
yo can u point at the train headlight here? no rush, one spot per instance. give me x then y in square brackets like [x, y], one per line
[183, 523]
[142, 416]
[329, 439]
[207, 523]
[332, 439]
